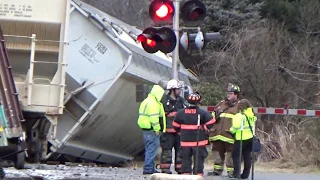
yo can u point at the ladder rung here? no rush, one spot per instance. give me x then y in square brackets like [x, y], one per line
[43, 105]
[49, 84]
[46, 62]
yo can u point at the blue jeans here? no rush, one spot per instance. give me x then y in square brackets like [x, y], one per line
[151, 145]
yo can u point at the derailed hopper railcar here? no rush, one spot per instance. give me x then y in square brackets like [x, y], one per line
[111, 74]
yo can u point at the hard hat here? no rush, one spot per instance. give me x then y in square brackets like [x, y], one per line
[173, 84]
[194, 98]
[233, 88]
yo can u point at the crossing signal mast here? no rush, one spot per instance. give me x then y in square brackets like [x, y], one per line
[166, 39]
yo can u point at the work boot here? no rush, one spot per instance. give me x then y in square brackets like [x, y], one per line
[232, 176]
[166, 171]
[214, 173]
[151, 172]
[2, 173]
[243, 177]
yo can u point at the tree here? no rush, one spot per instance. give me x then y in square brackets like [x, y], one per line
[260, 58]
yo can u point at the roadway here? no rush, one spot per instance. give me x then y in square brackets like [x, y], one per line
[41, 171]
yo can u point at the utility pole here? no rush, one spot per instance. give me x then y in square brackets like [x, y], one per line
[175, 54]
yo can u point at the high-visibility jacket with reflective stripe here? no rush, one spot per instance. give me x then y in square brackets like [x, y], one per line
[224, 122]
[240, 123]
[151, 111]
[186, 121]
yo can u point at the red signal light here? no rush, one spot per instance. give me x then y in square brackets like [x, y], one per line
[158, 39]
[161, 11]
[141, 38]
[151, 43]
[193, 12]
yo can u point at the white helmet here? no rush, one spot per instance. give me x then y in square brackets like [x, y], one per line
[173, 84]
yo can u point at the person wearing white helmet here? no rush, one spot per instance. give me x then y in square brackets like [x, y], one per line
[172, 103]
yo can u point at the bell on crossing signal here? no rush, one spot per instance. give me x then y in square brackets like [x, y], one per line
[193, 12]
[161, 11]
[184, 40]
[158, 39]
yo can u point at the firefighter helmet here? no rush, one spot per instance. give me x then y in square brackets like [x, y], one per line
[194, 98]
[233, 88]
[173, 84]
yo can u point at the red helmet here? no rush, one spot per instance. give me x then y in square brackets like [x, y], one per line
[194, 98]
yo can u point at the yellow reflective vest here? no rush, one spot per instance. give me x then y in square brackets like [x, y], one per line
[151, 111]
[240, 123]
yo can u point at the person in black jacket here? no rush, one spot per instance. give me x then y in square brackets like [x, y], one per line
[172, 102]
[193, 123]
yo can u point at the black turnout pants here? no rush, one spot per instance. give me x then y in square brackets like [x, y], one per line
[167, 142]
[186, 153]
[246, 153]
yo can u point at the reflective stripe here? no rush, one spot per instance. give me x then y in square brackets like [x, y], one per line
[218, 167]
[211, 121]
[189, 127]
[229, 169]
[165, 166]
[172, 114]
[194, 144]
[232, 128]
[244, 128]
[175, 124]
[155, 124]
[170, 130]
[222, 138]
[144, 112]
[178, 165]
[205, 128]
[1, 129]
[145, 108]
[226, 115]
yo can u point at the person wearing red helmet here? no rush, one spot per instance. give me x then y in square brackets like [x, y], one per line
[193, 123]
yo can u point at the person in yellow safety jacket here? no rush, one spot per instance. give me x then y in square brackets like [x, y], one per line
[220, 138]
[152, 121]
[241, 123]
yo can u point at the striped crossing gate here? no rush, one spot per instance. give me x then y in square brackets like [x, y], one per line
[277, 111]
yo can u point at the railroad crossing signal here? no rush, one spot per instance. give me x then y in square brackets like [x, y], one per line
[158, 39]
[165, 39]
[161, 11]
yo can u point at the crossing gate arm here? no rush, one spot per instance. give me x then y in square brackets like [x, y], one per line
[277, 111]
